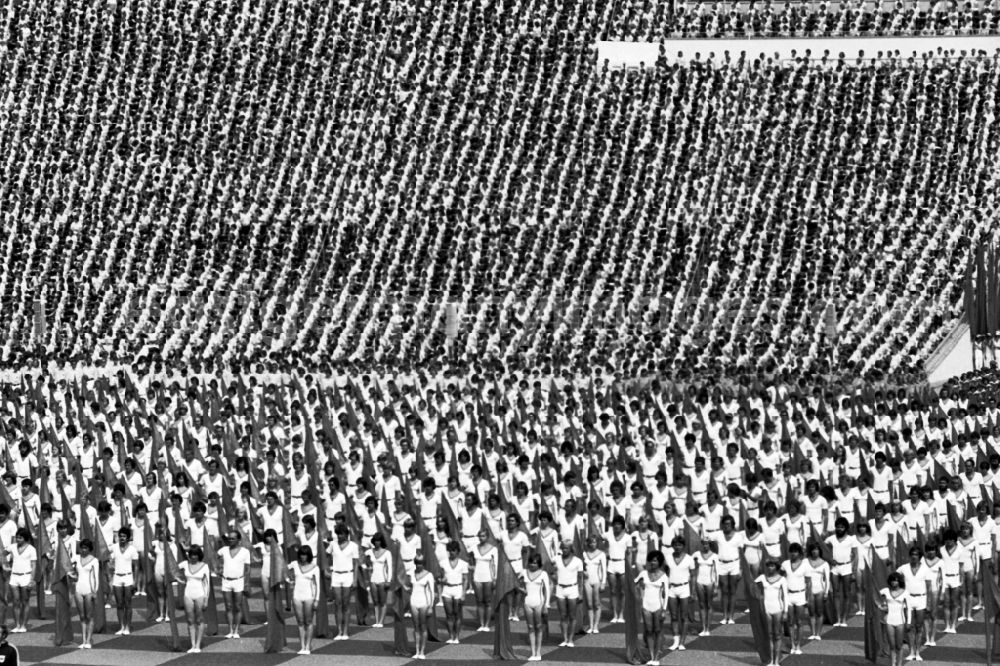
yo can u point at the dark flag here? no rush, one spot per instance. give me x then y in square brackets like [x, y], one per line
[503, 645]
[400, 642]
[758, 621]
[991, 612]
[171, 574]
[635, 649]
[971, 311]
[902, 554]
[875, 636]
[432, 565]
[4, 584]
[102, 554]
[44, 553]
[60, 590]
[152, 593]
[211, 616]
[275, 640]
[323, 628]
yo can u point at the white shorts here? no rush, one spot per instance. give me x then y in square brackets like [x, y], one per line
[841, 569]
[568, 591]
[679, 591]
[122, 580]
[452, 592]
[728, 568]
[797, 598]
[616, 566]
[341, 579]
[232, 584]
[20, 580]
[918, 602]
[951, 581]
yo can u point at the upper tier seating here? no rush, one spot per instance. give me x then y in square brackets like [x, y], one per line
[317, 180]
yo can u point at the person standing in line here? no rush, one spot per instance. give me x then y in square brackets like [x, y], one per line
[234, 568]
[124, 558]
[773, 588]
[304, 577]
[85, 574]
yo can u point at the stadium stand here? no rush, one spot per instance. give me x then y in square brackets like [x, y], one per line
[233, 235]
[652, 20]
[224, 211]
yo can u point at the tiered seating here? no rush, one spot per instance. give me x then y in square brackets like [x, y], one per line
[655, 20]
[316, 182]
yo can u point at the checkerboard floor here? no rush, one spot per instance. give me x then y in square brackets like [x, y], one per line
[148, 645]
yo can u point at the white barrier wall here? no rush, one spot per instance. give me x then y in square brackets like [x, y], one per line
[635, 54]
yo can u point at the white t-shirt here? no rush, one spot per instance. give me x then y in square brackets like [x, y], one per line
[453, 575]
[729, 549]
[342, 558]
[680, 572]
[234, 566]
[568, 573]
[123, 559]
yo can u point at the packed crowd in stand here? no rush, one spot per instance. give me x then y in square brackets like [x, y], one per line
[653, 20]
[404, 312]
[220, 181]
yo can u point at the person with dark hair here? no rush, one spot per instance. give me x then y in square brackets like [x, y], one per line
[753, 546]
[706, 583]
[680, 570]
[22, 571]
[454, 583]
[797, 575]
[344, 558]
[652, 585]
[951, 579]
[934, 564]
[304, 575]
[234, 569]
[381, 566]
[773, 589]
[917, 577]
[729, 545]
[196, 576]
[124, 559]
[619, 542]
[139, 537]
[845, 555]
[863, 561]
[538, 595]
[515, 544]
[86, 575]
[894, 600]
[817, 588]
[157, 553]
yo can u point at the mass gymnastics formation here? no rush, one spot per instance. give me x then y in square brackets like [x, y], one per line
[408, 497]
[419, 313]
